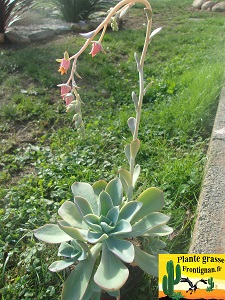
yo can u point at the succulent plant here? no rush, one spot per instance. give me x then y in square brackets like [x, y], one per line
[99, 232]
[109, 224]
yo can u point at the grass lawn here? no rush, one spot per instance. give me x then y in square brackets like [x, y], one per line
[42, 154]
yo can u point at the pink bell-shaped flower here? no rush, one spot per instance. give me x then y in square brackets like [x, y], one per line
[69, 98]
[65, 88]
[64, 63]
[96, 47]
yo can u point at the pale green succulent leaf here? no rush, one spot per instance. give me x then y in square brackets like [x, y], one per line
[122, 14]
[152, 199]
[161, 230]
[96, 296]
[140, 190]
[77, 283]
[136, 174]
[52, 234]
[132, 124]
[104, 219]
[68, 250]
[135, 100]
[148, 263]
[85, 190]
[124, 184]
[91, 295]
[123, 249]
[148, 222]
[127, 152]
[94, 286]
[159, 244]
[96, 237]
[111, 273]
[99, 186]
[121, 228]
[105, 203]
[106, 227]
[77, 234]
[113, 215]
[93, 222]
[134, 147]
[68, 212]
[73, 250]
[129, 210]
[59, 265]
[83, 206]
[126, 175]
[115, 190]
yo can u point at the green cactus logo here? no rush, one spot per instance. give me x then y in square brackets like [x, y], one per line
[211, 285]
[168, 282]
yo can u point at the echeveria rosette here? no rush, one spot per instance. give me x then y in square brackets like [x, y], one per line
[102, 221]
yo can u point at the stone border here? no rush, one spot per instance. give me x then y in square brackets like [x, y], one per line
[209, 230]
[209, 5]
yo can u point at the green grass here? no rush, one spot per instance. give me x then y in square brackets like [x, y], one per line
[42, 155]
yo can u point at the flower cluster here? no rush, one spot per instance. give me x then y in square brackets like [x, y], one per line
[69, 90]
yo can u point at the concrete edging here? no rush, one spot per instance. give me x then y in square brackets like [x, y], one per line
[209, 231]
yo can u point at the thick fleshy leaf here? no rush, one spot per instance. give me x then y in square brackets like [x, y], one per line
[59, 265]
[104, 219]
[52, 234]
[83, 206]
[93, 222]
[85, 190]
[131, 124]
[124, 250]
[137, 171]
[68, 212]
[111, 273]
[137, 61]
[99, 186]
[93, 291]
[154, 32]
[106, 227]
[148, 263]
[126, 175]
[140, 189]
[77, 283]
[135, 99]
[161, 230]
[113, 215]
[129, 210]
[134, 148]
[150, 221]
[121, 227]
[105, 203]
[75, 233]
[88, 35]
[124, 184]
[127, 152]
[73, 250]
[152, 199]
[124, 10]
[96, 237]
[115, 190]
